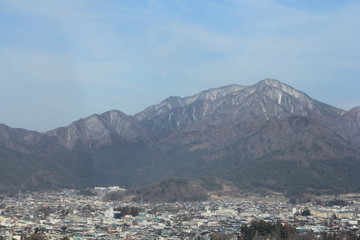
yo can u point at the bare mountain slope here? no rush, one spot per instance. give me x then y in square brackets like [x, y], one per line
[268, 135]
[100, 130]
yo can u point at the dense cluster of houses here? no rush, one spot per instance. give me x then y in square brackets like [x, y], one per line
[65, 214]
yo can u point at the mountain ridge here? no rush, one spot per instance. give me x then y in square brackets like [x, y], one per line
[228, 132]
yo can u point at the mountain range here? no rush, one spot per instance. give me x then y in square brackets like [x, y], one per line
[267, 136]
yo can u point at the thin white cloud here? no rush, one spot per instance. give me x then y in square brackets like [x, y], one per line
[37, 66]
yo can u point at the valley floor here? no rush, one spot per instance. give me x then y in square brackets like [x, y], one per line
[67, 215]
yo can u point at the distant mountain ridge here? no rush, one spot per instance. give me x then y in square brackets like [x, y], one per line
[97, 130]
[232, 133]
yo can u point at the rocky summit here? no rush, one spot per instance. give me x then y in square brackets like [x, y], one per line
[265, 136]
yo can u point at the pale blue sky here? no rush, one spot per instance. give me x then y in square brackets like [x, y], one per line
[62, 60]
